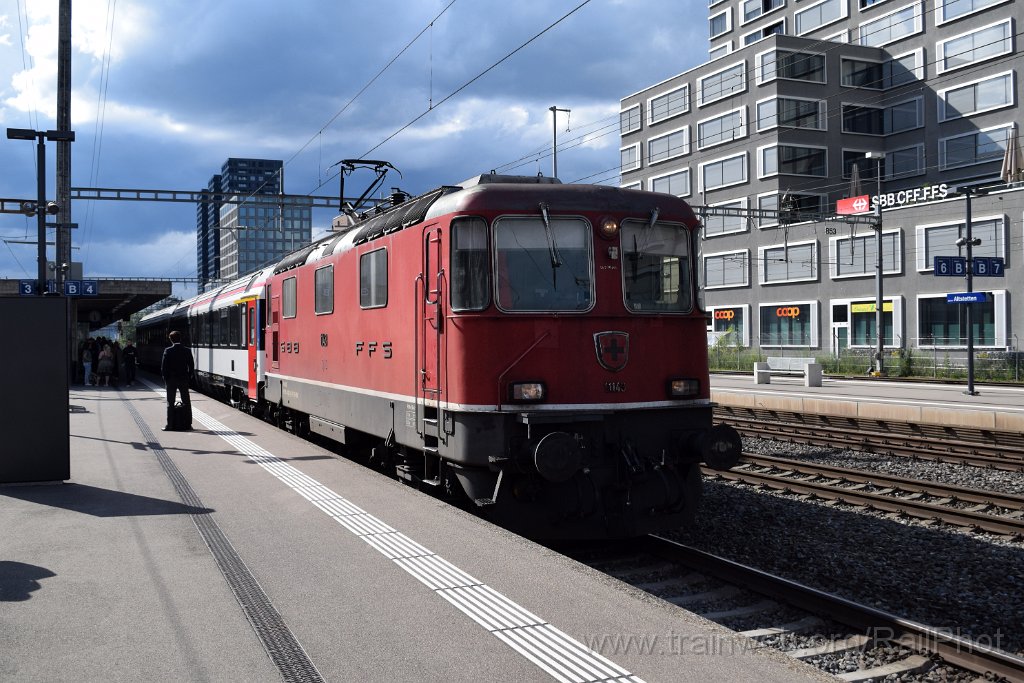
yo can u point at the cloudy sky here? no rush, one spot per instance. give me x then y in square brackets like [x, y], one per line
[164, 92]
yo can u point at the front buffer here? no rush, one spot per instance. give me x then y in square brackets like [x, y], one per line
[596, 475]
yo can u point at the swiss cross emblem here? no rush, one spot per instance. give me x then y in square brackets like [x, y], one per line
[612, 349]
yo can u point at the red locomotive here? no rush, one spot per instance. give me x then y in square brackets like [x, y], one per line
[537, 346]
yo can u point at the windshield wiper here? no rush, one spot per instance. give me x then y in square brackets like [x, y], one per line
[556, 258]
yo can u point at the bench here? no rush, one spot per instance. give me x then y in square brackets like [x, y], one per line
[784, 365]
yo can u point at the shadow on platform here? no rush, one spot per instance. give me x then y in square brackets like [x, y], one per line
[18, 580]
[98, 502]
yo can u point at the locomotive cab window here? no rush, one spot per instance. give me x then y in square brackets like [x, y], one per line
[471, 277]
[656, 267]
[543, 265]
[323, 299]
[288, 298]
[373, 279]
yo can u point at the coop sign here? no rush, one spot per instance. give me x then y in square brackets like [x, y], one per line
[904, 197]
[725, 314]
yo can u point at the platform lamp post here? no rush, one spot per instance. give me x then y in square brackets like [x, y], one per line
[879, 306]
[969, 241]
[41, 208]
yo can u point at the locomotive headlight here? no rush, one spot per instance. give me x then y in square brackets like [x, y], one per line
[683, 388]
[608, 227]
[527, 392]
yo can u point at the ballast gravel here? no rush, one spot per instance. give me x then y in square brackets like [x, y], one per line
[967, 585]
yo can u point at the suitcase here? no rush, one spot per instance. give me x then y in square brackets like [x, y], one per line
[179, 418]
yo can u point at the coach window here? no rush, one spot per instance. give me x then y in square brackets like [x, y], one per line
[471, 278]
[288, 298]
[543, 265]
[373, 279]
[655, 267]
[324, 294]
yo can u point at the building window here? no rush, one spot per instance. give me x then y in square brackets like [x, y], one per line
[993, 92]
[796, 262]
[724, 128]
[729, 325]
[677, 183]
[793, 160]
[943, 324]
[672, 103]
[630, 157]
[776, 29]
[866, 168]
[789, 324]
[323, 297]
[906, 162]
[724, 225]
[860, 73]
[629, 120]
[724, 172]
[668, 146]
[720, 23]
[820, 14]
[864, 4]
[862, 323]
[752, 9]
[940, 240]
[981, 147]
[863, 120]
[288, 298]
[948, 10]
[795, 66]
[729, 269]
[638, 185]
[373, 279]
[790, 112]
[722, 84]
[904, 69]
[470, 265]
[889, 28]
[977, 46]
[855, 256]
[904, 116]
[796, 203]
[720, 51]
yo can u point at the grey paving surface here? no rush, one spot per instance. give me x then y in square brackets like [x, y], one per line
[108, 578]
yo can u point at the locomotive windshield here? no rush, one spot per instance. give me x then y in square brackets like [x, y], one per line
[656, 267]
[543, 265]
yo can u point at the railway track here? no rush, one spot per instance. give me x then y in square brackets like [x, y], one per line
[979, 448]
[977, 509]
[773, 611]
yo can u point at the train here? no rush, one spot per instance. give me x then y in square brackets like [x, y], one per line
[533, 349]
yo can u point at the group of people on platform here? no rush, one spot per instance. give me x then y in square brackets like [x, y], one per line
[103, 362]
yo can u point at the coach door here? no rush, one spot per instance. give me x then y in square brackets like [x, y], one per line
[252, 346]
[274, 328]
[430, 333]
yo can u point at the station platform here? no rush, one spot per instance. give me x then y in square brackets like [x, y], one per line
[995, 407]
[238, 552]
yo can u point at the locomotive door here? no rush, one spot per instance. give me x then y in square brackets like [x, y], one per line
[251, 329]
[430, 323]
[274, 328]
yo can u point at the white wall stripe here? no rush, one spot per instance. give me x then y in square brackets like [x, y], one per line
[562, 657]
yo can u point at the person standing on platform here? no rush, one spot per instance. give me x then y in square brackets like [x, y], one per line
[86, 358]
[129, 357]
[176, 367]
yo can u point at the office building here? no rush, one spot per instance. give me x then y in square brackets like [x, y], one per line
[246, 225]
[803, 103]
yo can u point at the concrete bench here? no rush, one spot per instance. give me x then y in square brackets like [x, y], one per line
[784, 365]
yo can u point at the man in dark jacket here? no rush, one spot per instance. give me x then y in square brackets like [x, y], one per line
[176, 367]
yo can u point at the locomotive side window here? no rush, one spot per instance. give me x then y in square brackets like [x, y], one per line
[656, 267]
[543, 265]
[373, 279]
[288, 298]
[471, 277]
[324, 290]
